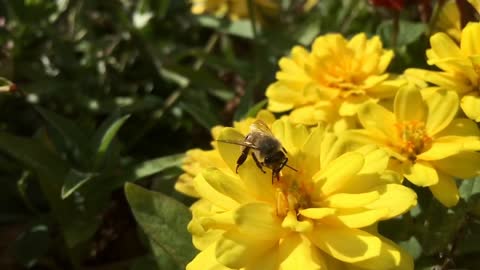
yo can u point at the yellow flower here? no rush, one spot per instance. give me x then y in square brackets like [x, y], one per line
[235, 9]
[460, 67]
[332, 81]
[318, 217]
[428, 146]
[448, 20]
[196, 160]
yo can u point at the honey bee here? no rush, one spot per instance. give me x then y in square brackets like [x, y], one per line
[267, 151]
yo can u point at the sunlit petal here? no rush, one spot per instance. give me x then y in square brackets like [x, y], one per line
[445, 191]
[236, 250]
[299, 253]
[409, 105]
[463, 165]
[258, 219]
[421, 174]
[442, 108]
[345, 244]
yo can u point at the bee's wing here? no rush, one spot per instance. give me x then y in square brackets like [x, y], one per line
[242, 143]
[261, 127]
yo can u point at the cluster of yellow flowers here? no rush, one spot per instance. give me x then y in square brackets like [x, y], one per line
[353, 133]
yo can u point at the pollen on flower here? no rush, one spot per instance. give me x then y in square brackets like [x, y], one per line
[292, 195]
[412, 138]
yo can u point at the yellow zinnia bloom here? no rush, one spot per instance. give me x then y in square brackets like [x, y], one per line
[448, 20]
[332, 81]
[235, 9]
[196, 160]
[460, 67]
[317, 217]
[429, 147]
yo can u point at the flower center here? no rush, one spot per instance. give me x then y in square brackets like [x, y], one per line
[412, 138]
[291, 196]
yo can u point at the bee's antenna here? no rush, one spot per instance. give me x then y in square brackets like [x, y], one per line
[291, 168]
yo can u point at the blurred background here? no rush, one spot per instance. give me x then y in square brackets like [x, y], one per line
[99, 93]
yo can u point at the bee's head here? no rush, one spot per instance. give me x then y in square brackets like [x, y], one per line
[275, 161]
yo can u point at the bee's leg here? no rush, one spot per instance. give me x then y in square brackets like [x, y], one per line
[259, 165]
[241, 159]
[284, 150]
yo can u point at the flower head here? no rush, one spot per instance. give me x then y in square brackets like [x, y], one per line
[331, 82]
[317, 217]
[460, 67]
[448, 20]
[235, 9]
[196, 160]
[427, 144]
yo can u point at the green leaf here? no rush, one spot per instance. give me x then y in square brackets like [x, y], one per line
[74, 180]
[412, 246]
[66, 135]
[76, 222]
[469, 188]
[256, 108]
[32, 244]
[104, 137]
[152, 166]
[145, 263]
[241, 28]
[198, 105]
[163, 260]
[408, 32]
[165, 222]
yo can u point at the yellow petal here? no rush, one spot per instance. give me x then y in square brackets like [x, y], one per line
[236, 250]
[258, 184]
[356, 218]
[230, 152]
[305, 115]
[208, 192]
[338, 172]
[345, 244]
[471, 39]
[442, 108]
[284, 97]
[292, 223]
[443, 147]
[267, 261]
[376, 159]
[421, 174]
[445, 191]
[292, 137]
[312, 147]
[391, 257]
[443, 79]
[394, 197]
[374, 117]
[206, 260]
[463, 165]
[317, 213]
[471, 106]
[345, 200]
[332, 147]
[409, 105]
[444, 46]
[258, 219]
[460, 127]
[351, 105]
[296, 252]
[228, 185]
